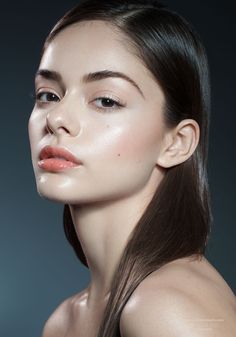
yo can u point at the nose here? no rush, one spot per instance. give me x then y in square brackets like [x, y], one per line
[60, 121]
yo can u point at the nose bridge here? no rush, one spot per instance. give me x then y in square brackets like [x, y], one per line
[61, 118]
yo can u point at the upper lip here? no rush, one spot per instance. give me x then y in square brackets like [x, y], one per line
[57, 152]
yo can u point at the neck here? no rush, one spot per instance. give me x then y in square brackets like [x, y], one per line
[103, 230]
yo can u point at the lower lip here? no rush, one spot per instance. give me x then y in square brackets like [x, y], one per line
[55, 165]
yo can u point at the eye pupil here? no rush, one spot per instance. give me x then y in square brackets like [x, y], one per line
[107, 102]
[47, 97]
[53, 97]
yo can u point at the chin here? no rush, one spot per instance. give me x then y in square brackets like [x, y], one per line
[51, 195]
[52, 187]
[63, 191]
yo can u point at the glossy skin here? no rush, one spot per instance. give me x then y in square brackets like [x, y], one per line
[186, 297]
[124, 149]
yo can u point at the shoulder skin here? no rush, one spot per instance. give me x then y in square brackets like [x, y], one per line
[178, 301]
[61, 319]
[58, 321]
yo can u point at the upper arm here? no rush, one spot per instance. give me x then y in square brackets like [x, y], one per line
[169, 312]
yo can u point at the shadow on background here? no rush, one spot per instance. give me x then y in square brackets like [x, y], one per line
[38, 268]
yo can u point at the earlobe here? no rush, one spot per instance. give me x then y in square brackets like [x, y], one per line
[179, 143]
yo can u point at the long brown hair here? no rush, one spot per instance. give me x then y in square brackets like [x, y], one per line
[177, 221]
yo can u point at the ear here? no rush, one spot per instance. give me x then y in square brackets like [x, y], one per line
[179, 143]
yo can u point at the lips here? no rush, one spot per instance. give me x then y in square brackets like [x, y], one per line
[55, 159]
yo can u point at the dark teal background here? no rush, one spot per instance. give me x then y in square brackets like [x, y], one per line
[37, 267]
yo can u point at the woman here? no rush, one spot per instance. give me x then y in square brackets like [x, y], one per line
[119, 134]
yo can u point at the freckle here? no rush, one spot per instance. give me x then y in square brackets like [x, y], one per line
[118, 154]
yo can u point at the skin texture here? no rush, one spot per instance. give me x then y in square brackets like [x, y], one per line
[124, 153]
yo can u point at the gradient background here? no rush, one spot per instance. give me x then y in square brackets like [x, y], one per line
[37, 267]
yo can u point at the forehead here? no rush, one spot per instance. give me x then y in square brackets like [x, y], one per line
[95, 43]
[96, 40]
[90, 46]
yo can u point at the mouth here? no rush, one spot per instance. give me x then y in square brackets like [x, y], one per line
[56, 159]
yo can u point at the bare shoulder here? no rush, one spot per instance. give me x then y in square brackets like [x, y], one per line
[183, 298]
[58, 323]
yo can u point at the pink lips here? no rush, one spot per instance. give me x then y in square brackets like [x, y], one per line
[56, 159]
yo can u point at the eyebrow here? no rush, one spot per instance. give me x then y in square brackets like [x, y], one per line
[101, 75]
[50, 75]
[88, 78]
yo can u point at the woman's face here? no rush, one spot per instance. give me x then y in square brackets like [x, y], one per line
[95, 99]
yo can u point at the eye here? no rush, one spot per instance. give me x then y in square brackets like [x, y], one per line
[46, 96]
[107, 103]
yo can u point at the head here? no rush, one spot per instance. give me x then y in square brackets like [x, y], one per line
[124, 86]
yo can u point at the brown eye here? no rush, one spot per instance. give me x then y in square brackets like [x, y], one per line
[45, 97]
[106, 103]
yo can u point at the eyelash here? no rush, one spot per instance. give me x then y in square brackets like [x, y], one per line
[117, 103]
[37, 97]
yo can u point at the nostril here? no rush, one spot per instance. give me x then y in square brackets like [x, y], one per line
[56, 123]
[48, 129]
[62, 129]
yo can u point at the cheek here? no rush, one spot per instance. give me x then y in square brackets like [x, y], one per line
[124, 160]
[139, 143]
[35, 131]
[33, 125]
[132, 144]
[32, 132]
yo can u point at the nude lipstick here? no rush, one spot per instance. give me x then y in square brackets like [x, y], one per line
[55, 159]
